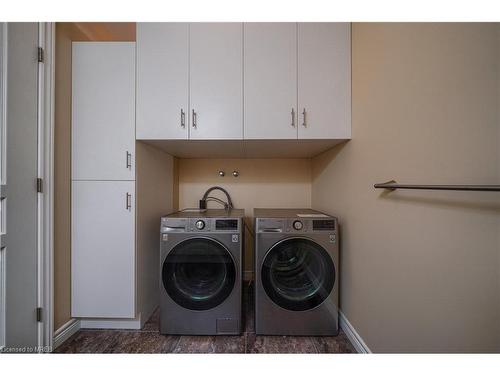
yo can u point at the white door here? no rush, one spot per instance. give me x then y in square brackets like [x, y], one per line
[216, 81]
[19, 156]
[103, 248]
[324, 80]
[3, 177]
[270, 80]
[103, 111]
[162, 80]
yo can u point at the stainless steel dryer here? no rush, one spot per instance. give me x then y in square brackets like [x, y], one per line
[296, 272]
[201, 267]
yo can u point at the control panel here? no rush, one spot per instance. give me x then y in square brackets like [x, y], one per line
[172, 225]
[324, 224]
[295, 225]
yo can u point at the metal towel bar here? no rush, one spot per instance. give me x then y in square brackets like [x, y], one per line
[393, 185]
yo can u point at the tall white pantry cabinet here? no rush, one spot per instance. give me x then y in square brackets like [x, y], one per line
[103, 180]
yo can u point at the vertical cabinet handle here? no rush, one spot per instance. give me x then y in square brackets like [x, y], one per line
[293, 118]
[194, 119]
[183, 118]
[128, 201]
[129, 160]
[304, 124]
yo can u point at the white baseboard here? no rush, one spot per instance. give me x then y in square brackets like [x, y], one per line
[111, 323]
[247, 275]
[353, 335]
[65, 332]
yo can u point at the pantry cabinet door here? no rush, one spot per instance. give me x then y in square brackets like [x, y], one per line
[324, 80]
[103, 111]
[162, 80]
[216, 81]
[103, 248]
[270, 80]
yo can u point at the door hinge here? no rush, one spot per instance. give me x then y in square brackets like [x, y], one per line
[39, 185]
[38, 314]
[40, 54]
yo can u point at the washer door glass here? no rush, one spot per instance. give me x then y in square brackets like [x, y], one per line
[298, 274]
[199, 274]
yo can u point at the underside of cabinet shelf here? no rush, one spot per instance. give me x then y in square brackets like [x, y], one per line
[286, 148]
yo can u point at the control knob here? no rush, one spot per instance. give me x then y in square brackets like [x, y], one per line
[297, 225]
[200, 224]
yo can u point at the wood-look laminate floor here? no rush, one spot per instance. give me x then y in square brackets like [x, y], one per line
[149, 340]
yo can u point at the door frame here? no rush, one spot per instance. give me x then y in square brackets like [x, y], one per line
[45, 240]
[3, 133]
[45, 129]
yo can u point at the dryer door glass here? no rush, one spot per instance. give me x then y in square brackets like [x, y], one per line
[199, 274]
[298, 274]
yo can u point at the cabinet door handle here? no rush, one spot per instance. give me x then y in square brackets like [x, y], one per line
[293, 118]
[194, 119]
[128, 201]
[129, 160]
[183, 118]
[304, 124]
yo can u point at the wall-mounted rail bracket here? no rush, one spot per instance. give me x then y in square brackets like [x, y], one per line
[386, 185]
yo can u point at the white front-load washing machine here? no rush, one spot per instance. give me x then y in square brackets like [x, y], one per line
[201, 267]
[296, 272]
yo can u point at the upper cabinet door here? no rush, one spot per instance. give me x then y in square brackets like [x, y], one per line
[216, 81]
[324, 80]
[162, 80]
[270, 80]
[103, 111]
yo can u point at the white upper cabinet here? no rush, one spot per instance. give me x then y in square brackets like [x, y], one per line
[103, 111]
[270, 80]
[233, 81]
[162, 80]
[324, 80]
[216, 81]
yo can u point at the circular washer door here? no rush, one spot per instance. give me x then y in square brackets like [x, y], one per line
[199, 274]
[298, 274]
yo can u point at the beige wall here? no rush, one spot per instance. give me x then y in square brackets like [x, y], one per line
[65, 33]
[262, 183]
[154, 198]
[107, 31]
[419, 269]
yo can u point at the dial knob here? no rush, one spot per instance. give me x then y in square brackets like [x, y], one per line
[297, 225]
[200, 224]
